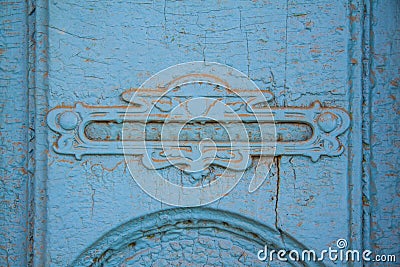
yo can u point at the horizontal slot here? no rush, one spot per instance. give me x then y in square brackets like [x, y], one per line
[195, 131]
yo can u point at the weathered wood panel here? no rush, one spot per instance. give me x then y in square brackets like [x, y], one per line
[14, 127]
[382, 145]
[342, 53]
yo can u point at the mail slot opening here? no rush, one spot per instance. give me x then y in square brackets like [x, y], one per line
[195, 131]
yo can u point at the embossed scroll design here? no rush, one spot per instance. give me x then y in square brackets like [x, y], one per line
[210, 114]
[326, 123]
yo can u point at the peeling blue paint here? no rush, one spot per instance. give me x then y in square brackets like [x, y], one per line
[55, 53]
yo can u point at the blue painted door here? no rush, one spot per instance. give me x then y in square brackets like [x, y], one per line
[198, 133]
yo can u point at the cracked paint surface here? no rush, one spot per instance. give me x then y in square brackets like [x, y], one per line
[278, 48]
[343, 54]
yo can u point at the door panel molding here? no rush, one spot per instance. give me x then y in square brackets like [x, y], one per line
[359, 155]
[205, 226]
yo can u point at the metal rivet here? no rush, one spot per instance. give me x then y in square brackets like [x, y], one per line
[327, 121]
[68, 120]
